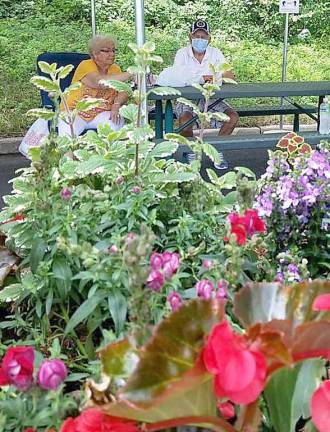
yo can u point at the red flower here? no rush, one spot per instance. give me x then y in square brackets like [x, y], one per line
[245, 226]
[322, 302]
[17, 367]
[93, 420]
[320, 407]
[240, 370]
[30, 429]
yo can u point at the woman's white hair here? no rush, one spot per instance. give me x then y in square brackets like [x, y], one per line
[99, 42]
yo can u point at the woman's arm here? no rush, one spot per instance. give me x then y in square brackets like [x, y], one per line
[92, 79]
[120, 100]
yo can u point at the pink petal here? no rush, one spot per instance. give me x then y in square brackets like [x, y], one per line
[239, 371]
[322, 302]
[227, 410]
[320, 407]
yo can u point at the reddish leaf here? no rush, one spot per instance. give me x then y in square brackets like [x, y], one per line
[298, 139]
[305, 148]
[249, 419]
[290, 135]
[170, 361]
[119, 359]
[311, 339]
[283, 143]
[292, 148]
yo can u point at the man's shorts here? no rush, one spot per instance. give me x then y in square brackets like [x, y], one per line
[220, 107]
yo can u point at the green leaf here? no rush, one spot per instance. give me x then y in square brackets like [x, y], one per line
[45, 84]
[212, 176]
[7, 261]
[288, 393]
[147, 46]
[164, 149]
[83, 312]
[164, 91]
[118, 310]
[62, 274]
[140, 134]
[119, 359]
[43, 113]
[211, 152]
[190, 104]
[117, 85]
[88, 104]
[176, 177]
[37, 253]
[178, 138]
[129, 112]
[73, 86]
[246, 171]
[11, 293]
[64, 71]
[46, 67]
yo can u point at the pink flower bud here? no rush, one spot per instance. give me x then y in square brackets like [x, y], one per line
[171, 263]
[222, 286]
[113, 249]
[204, 289]
[156, 261]
[227, 410]
[175, 300]
[207, 264]
[136, 190]
[119, 180]
[51, 374]
[66, 194]
[156, 280]
[130, 236]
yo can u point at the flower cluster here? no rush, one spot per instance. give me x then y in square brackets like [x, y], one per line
[206, 289]
[163, 265]
[245, 226]
[17, 368]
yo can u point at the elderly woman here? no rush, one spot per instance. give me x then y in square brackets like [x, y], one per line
[100, 66]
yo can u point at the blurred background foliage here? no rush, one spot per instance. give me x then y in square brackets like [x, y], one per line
[250, 33]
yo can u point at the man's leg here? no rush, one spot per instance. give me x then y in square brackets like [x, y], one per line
[183, 118]
[228, 127]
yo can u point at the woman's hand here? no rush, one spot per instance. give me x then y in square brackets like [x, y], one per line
[114, 113]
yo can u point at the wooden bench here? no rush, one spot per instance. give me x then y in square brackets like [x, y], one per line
[239, 142]
[263, 110]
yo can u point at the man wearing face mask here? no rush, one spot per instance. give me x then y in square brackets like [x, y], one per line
[197, 57]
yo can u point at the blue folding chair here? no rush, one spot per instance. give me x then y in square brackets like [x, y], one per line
[62, 59]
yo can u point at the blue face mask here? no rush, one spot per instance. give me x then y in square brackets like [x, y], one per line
[199, 45]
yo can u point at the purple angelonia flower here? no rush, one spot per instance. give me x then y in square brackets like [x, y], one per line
[279, 277]
[175, 300]
[204, 289]
[51, 374]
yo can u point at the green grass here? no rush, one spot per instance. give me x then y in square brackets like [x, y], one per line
[22, 40]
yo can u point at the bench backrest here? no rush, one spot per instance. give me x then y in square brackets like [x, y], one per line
[62, 59]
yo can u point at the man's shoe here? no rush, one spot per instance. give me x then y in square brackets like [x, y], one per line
[223, 165]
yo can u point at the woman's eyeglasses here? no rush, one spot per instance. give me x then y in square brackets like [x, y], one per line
[109, 50]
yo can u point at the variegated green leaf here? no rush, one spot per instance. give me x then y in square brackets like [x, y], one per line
[229, 81]
[163, 91]
[190, 104]
[64, 71]
[116, 85]
[130, 112]
[164, 149]
[177, 177]
[212, 176]
[43, 113]
[45, 84]
[220, 116]
[88, 104]
[46, 67]
[212, 153]
[178, 138]
[74, 86]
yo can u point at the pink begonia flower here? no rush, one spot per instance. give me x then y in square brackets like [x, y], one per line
[156, 261]
[66, 194]
[222, 293]
[322, 303]
[156, 280]
[175, 300]
[204, 289]
[320, 407]
[17, 367]
[207, 264]
[240, 370]
[227, 410]
[171, 263]
[51, 374]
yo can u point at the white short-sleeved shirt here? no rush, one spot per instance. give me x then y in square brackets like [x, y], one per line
[185, 57]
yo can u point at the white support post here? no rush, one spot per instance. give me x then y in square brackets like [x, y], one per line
[285, 56]
[140, 39]
[93, 18]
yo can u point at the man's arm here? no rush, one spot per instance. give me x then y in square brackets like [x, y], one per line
[92, 79]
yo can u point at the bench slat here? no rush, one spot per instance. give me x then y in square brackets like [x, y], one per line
[272, 110]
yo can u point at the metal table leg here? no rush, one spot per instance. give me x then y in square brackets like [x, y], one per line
[159, 119]
[169, 118]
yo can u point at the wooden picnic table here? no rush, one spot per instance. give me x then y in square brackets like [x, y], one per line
[239, 91]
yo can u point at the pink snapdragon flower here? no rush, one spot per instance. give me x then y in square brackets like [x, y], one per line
[163, 265]
[204, 289]
[175, 300]
[322, 303]
[17, 367]
[136, 190]
[51, 374]
[113, 249]
[66, 194]
[171, 263]
[156, 280]
[207, 264]
[222, 286]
